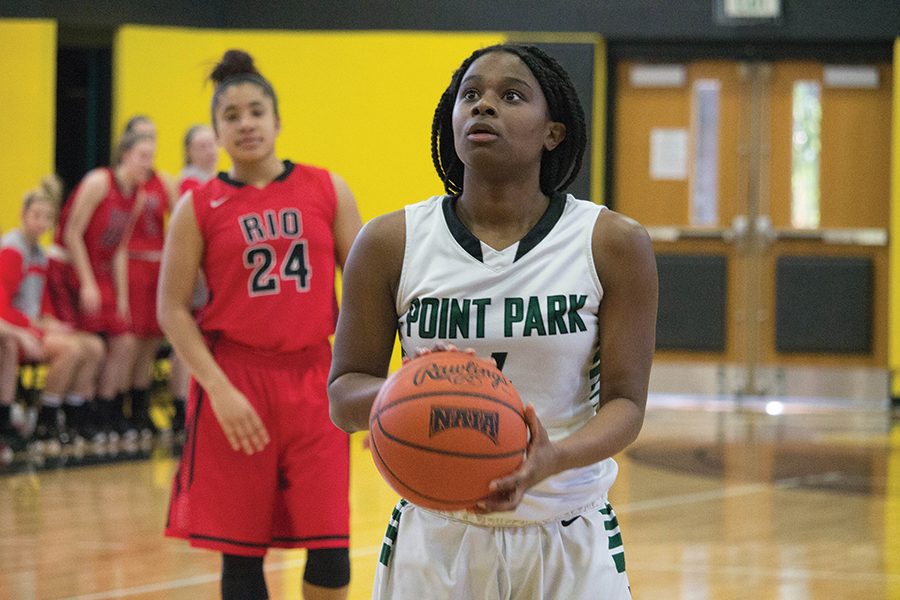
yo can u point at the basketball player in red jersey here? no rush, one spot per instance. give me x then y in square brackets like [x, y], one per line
[263, 465]
[87, 272]
[144, 255]
[72, 357]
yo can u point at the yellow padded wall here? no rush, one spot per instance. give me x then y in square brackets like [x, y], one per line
[28, 118]
[358, 103]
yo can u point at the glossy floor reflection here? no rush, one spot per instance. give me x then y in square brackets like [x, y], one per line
[717, 500]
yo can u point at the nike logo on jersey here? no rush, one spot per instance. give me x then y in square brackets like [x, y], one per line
[566, 523]
[218, 202]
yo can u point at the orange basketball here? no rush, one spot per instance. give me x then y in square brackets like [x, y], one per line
[444, 426]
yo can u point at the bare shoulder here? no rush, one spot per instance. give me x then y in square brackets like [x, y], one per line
[619, 238]
[617, 233]
[91, 191]
[338, 182]
[383, 237]
[96, 180]
[375, 262]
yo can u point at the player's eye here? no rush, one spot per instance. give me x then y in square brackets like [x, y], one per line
[470, 95]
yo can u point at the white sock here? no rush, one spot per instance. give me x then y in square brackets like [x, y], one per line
[75, 399]
[52, 400]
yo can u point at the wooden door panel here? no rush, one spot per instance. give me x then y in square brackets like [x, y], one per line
[638, 112]
[856, 130]
[853, 180]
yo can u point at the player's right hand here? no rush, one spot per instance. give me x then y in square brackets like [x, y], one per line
[242, 426]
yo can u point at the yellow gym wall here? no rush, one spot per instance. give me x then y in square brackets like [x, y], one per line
[358, 103]
[28, 118]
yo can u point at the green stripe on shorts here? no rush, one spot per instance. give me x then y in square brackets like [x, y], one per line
[615, 538]
[390, 536]
[619, 559]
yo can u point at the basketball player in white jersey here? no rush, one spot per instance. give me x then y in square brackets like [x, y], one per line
[561, 292]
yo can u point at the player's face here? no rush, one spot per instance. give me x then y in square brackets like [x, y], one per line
[37, 219]
[245, 123]
[501, 117]
[138, 161]
[203, 151]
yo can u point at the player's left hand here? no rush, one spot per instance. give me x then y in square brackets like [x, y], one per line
[541, 457]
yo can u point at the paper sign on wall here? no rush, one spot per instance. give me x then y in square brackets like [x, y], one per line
[668, 153]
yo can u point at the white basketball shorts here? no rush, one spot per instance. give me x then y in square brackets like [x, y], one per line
[429, 556]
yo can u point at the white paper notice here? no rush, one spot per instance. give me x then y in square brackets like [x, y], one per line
[668, 153]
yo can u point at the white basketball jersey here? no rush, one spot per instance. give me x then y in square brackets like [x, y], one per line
[533, 307]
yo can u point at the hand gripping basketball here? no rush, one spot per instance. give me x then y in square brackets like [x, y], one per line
[444, 426]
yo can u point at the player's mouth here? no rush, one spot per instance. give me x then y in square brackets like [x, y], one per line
[481, 132]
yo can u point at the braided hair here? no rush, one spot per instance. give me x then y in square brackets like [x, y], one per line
[235, 67]
[559, 166]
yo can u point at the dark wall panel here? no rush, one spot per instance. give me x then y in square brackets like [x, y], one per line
[692, 300]
[823, 304]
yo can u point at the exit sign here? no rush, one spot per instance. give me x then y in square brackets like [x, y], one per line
[748, 11]
[751, 9]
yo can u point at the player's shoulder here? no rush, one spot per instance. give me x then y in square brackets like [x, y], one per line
[97, 178]
[213, 188]
[303, 173]
[386, 228]
[92, 188]
[209, 200]
[619, 238]
[619, 228]
[382, 239]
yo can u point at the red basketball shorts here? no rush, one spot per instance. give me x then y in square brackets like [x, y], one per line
[294, 493]
[143, 277]
[63, 287]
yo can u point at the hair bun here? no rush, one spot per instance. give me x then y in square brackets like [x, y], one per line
[234, 62]
[52, 188]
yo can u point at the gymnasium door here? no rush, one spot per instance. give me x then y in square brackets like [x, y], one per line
[765, 187]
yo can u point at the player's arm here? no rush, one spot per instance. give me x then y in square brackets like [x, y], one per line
[347, 222]
[626, 267]
[120, 257]
[181, 260]
[91, 192]
[367, 325]
[120, 280]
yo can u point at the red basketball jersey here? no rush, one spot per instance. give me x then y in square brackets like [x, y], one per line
[147, 235]
[269, 259]
[108, 224]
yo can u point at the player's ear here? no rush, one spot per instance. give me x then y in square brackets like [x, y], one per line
[556, 133]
